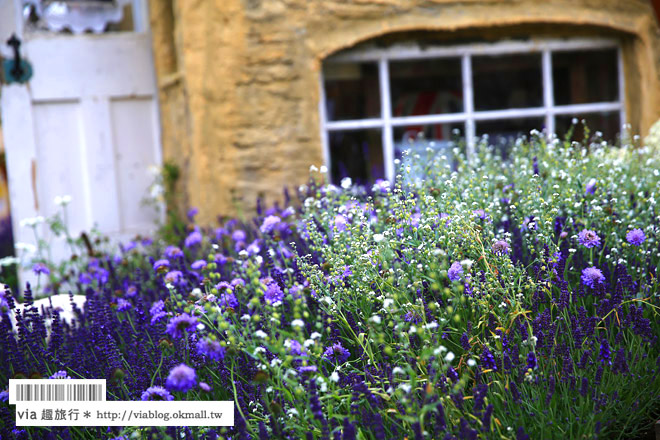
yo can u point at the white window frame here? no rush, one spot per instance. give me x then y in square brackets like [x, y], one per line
[469, 116]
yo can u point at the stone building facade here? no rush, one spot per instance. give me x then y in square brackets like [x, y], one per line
[240, 87]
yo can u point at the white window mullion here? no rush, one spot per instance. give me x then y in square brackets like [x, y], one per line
[622, 88]
[548, 92]
[386, 115]
[468, 103]
[325, 142]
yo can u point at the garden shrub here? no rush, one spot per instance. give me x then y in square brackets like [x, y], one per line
[481, 298]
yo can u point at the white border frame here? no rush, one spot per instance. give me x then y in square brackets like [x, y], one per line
[469, 116]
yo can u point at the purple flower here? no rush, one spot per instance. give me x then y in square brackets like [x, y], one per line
[531, 360]
[4, 396]
[205, 387]
[238, 235]
[84, 278]
[455, 271]
[161, 264]
[173, 252]
[636, 237]
[480, 213]
[605, 353]
[60, 375]
[181, 378]
[273, 293]
[336, 353]
[308, 369]
[228, 300]
[295, 347]
[40, 268]
[193, 239]
[197, 265]
[175, 277]
[487, 359]
[588, 238]
[123, 305]
[192, 212]
[179, 324]
[591, 187]
[501, 247]
[210, 348]
[269, 223]
[340, 223]
[592, 276]
[157, 393]
[253, 248]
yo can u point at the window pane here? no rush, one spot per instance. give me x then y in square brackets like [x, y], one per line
[608, 123]
[507, 81]
[351, 91]
[585, 76]
[426, 87]
[503, 133]
[356, 154]
[418, 138]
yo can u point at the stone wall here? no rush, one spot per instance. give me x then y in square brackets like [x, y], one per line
[239, 79]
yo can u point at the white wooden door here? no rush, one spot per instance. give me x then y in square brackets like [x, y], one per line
[85, 125]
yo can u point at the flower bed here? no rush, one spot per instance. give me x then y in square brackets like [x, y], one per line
[483, 299]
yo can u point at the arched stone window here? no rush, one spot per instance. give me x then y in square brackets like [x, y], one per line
[378, 99]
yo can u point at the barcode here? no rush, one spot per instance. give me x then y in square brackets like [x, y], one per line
[59, 392]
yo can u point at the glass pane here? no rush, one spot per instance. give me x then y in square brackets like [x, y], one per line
[608, 123]
[351, 91]
[426, 87]
[503, 133]
[507, 81]
[440, 137]
[585, 76]
[357, 154]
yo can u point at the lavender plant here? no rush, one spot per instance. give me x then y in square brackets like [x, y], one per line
[472, 298]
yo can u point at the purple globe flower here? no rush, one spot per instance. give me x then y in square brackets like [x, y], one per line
[192, 212]
[455, 271]
[161, 265]
[238, 235]
[269, 223]
[501, 247]
[40, 268]
[157, 393]
[197, 265]
[228, 300]
[173, 252]
[181, 378]
[340, 223]
[179, 324]
[636, 237]
[295, 347]
[591, 276]
[212, 349]
[274, 294]
[123, 305]
[336, 353]
[175, 277]
[588, 238]
[193, 239]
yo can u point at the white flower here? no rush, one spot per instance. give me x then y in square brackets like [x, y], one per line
[31, 221]
[431, 325]
[308, 343]
[405, 387]
[200, 326]
[260, 334]
[26, 247]
[62, 200]
[292, 412]
[388, 303]
[313, 168]
[245, 317]
[259, 350]
[376, 319]
[471, 362]
[450, 357]
[346, 182]
[334, 376]
[323, 169]
[315, 335]
[397, 370]
[378, 238]
[297, 323]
